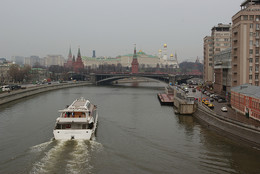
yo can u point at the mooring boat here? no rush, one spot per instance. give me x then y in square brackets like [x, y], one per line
[77, 121]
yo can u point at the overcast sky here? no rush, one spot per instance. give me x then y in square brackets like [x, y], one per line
[111, 27]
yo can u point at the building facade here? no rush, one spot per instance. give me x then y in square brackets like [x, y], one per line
[223, 73]
[219, 40]
[208, 59]
[246, 100]
[245, 44]
[54, 60]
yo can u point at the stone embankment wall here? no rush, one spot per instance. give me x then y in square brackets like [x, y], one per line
[229, 128]
[21, 93]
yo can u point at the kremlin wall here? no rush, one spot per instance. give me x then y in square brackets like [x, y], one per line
[125, 60]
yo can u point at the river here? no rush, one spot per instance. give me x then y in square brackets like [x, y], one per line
[135, 135]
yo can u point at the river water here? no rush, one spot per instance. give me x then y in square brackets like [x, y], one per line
[135, 135]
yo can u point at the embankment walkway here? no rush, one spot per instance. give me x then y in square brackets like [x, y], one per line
[21, 93]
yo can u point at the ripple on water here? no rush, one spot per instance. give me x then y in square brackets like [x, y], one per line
[70, 156]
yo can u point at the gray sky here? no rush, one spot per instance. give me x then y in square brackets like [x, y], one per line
[111, 27]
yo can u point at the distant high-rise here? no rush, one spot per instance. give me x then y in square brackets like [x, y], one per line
[245, 44]
[94, 54]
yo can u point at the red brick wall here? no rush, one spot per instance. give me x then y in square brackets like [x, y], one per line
[241, 102]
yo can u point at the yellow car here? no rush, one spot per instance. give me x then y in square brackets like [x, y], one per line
[206, 102]
[211, 106]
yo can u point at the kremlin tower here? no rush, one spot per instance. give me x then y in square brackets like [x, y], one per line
[69, 61]
[77, 64]
[135, 63]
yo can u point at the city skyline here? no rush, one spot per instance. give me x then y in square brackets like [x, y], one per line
[111, 28]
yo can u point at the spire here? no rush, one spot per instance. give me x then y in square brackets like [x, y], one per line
[79, 55]
[135, 55]
[70, 54]
[73, 59]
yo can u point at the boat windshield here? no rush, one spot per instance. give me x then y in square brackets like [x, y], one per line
[73, 115]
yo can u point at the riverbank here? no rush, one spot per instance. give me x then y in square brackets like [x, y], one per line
[21, 93]
[230, 128]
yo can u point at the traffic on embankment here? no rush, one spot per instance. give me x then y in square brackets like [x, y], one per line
[227, 122]
[29, 90]
[216, 114]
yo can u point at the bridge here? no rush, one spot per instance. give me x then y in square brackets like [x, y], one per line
[105, 79]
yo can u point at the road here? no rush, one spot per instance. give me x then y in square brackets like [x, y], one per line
[231, 113]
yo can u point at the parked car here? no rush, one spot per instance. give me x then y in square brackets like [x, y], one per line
[14, 87]
[222, 100]
[224, 109]
[211, 106]
[212, 95]
[211, 100]
[6, 88]
[194, 90]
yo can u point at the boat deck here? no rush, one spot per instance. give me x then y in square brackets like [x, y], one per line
[166, 99]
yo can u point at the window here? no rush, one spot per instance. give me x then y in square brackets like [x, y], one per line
[256, 83]
[251, 34]
[251, 17]
[257, 51]
[217, 44]
[257, 17]
[245, 17]
[257, 26]
[256, 76]
[257, 68]
[210, 59]
[226, 39]
[251, 51]
[257, 33]
[251, 25]
[226, 44]
[250, 60]
[257, 60]
[251, 42]
[210, 64]
[250, 69]
[250, 77]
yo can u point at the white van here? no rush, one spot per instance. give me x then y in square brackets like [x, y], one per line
[6, 88]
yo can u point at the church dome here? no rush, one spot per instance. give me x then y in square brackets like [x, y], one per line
[171, 55]
[160, 50]
[165, 45]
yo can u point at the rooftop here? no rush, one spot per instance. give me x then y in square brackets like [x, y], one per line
[248, 90]
[250, 2]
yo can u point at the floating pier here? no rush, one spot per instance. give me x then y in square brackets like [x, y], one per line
[165, 99]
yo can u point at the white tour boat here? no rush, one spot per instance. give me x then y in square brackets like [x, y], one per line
[77, 121]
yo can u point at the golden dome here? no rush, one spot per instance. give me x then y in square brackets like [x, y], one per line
[160, 50]
[165, 45]
[171, 55]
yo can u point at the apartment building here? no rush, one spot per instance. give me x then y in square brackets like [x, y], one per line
[223, 73]
[245, 44]
[208, 59]
[219, 40]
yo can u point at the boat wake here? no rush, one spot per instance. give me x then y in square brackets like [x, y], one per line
[72, 156]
